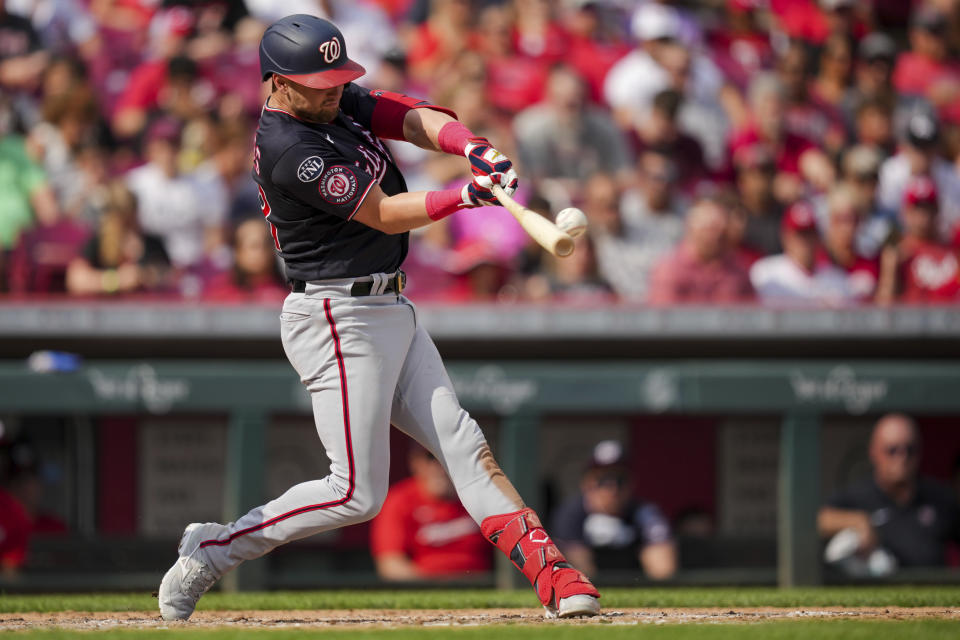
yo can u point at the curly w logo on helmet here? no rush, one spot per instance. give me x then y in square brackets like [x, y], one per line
[330, 50]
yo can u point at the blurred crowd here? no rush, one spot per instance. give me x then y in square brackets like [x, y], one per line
[782, 152]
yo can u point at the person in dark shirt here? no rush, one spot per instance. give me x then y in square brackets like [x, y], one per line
[606, 527]
[119, 258]
[910, 516]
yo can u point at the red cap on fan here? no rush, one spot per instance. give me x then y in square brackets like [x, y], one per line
[799, 217]
[921, 191]
[746, 5]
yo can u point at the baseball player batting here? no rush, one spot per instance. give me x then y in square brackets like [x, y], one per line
[339, 212]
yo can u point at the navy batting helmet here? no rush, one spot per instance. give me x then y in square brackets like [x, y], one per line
[308, 50]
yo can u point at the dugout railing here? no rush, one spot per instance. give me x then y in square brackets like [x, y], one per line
[521, 393]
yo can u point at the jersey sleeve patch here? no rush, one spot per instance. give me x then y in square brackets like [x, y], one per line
[310, 169]
[339, 185]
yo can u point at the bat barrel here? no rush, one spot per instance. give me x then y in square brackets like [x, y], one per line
[547, 234]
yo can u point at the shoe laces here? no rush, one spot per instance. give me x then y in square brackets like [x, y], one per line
[199, 581]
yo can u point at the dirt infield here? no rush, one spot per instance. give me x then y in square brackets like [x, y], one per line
[372, 618]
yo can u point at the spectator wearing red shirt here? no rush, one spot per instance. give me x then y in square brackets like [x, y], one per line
[160, 79]
[40, 260]
[423, 531]
[928, 65]
[839, 243]
[739, 46]
[814, 21]
[592, 46]
[702, 269]
[435, 44]
[513, 81]
[15, 529]
[797, 159]
[536, 32]
[921, 268]
[21, 490]
[255, 276]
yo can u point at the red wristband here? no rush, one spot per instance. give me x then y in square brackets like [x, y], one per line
[453, 138]
[441, 204]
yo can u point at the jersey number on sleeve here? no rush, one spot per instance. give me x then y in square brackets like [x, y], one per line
[265, 208]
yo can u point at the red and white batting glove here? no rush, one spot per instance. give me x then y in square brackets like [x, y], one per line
[480, 190]
[489, 166]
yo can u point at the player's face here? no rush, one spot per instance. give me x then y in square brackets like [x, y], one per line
[315, 105]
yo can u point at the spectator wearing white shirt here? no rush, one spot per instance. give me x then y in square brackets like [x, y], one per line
[795, 277]
[920, 156]
[173, 205]
[661, 62]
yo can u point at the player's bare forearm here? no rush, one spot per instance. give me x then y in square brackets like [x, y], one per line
[394, 214]
[422, 127]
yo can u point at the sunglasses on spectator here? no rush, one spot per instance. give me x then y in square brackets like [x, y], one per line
[866, 177]
[905, 450]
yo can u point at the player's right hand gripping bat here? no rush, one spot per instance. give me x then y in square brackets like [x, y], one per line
[547, 234]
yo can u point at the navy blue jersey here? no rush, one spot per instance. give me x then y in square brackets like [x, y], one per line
[312, 179]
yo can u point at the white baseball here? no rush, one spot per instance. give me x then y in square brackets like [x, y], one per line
[572, 221]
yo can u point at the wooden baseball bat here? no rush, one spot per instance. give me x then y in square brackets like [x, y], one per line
[547, 234]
